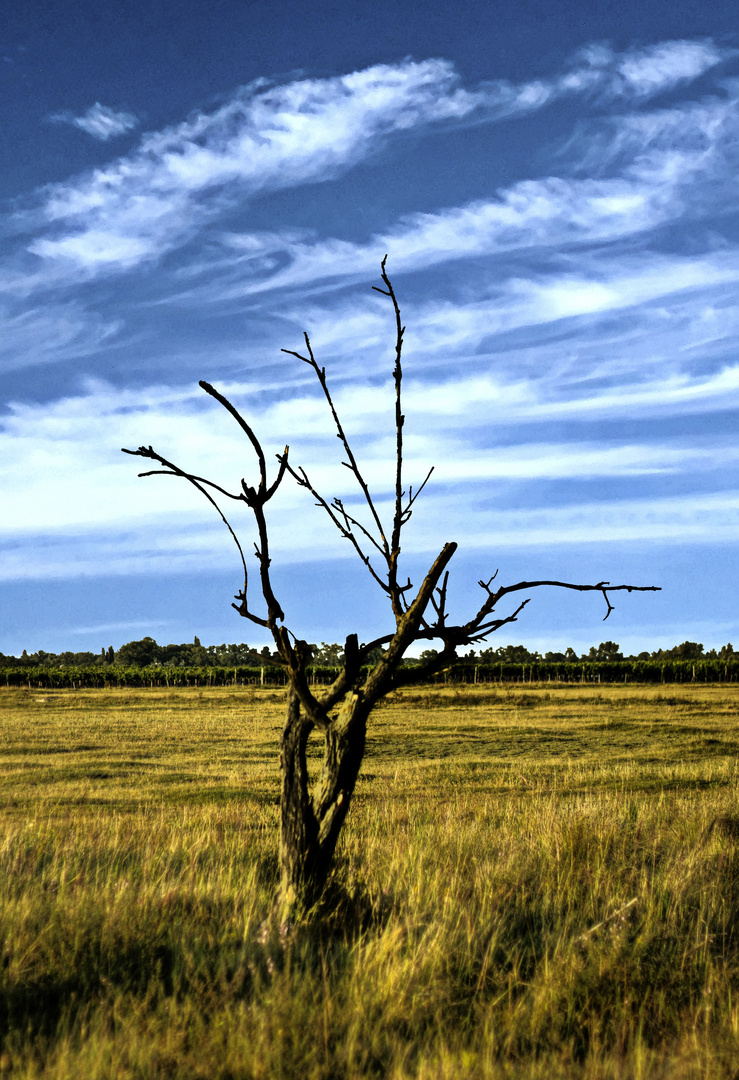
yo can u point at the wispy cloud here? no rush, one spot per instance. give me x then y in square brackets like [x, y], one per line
[104, 628]
[52, 333]
[672, 148]
[578, 297]
[711, 518]
[646, 170]
[271, 137]
[264, 138]
[644, 72]
[583, 295]
[63, 474]
[531, 214]
[100, 121]
[181, 546]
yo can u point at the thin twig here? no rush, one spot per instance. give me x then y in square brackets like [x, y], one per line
[174, 470]
[301, 478]
[399, 517]
[200, 479]
[310, 360]
[244, 427]
[339, 505]
[412, 498]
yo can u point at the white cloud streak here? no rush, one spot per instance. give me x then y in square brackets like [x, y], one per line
[101, 628]
[701, 519]
[63, 475]
[576, 327]
[100, 121]
[533, 213]
[656, 68]
[674, 165]
[308, 130]
[265, 138]
[170, 547]
[679, 308]
[52, 333]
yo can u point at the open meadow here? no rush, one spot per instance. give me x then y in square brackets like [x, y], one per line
[534, 881]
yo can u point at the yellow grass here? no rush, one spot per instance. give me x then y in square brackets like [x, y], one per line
[533, 882]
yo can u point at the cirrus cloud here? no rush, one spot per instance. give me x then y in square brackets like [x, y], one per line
[272, 137]
[100, 121]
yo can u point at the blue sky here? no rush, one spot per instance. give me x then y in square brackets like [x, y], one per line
[186, 189]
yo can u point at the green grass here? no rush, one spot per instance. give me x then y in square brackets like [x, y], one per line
[536, 882]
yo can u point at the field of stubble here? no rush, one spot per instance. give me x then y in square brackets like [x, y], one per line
[533, 882]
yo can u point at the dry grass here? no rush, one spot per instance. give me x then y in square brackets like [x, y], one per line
[534, 882]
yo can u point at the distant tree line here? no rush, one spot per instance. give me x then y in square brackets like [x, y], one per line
[147, 653]
[607, 651]
[144, 663]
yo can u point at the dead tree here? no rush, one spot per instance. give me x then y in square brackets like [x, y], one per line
[311, 818]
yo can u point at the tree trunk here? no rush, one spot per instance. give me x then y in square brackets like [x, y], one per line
[311, 821]
[298, 827]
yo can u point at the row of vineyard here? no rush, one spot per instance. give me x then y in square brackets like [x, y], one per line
[115, 676]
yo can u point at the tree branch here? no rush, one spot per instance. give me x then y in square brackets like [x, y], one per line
[346, 526]
[603, 587]
[339, 505]
[174, 470]
[346, 678]
[407, 627]
[412, 498]
[310, 360]
[409, 676]
[301, 478]
[200, 479]
[244, 427]
[399, 516]
[255, 499]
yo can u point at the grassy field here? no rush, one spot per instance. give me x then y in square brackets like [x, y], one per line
[533, 882]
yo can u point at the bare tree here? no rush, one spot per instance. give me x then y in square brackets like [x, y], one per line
[311, 818]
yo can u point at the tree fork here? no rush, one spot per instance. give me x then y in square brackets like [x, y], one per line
[310, 826]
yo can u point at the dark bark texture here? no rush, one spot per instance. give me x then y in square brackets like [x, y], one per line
[311, 821]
